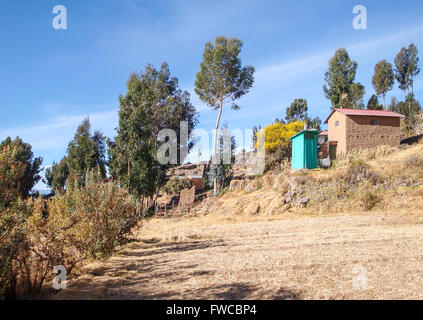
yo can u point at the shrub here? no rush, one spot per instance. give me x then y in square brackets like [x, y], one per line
[86, 222]
[175, 185]
[359, 172]
[414, 161]
[12, 246]
[11, 172]
[277, 134]
[92, 219]
[277, 145]
[369, 198]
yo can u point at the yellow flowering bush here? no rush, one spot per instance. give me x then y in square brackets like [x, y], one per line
[277, 145]
[278, 133]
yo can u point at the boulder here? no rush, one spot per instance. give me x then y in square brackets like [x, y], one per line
[237, 185]
[252, 208]
[251, 186]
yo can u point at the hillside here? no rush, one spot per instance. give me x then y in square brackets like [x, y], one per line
[382, 179]
[352, 232]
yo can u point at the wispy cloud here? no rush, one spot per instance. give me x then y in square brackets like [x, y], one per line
[56, 134]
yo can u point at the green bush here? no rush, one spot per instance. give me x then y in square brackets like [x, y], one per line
[175, 185]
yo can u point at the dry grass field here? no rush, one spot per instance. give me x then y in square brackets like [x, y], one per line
[249, 245]
[377, 256]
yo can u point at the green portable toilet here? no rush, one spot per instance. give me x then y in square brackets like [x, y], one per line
[304, 149]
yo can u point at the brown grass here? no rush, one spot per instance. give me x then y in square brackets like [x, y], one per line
[302, 258]
[309, 253]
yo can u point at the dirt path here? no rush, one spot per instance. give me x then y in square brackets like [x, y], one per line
[343, 257]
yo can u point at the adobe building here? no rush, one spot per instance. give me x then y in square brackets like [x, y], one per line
[351, 129]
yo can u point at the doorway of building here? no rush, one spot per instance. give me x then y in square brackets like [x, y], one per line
[332, 151]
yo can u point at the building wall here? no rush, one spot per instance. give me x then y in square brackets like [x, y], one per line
[357, 132]
[361, 134]
[323, 151]
[338, 133]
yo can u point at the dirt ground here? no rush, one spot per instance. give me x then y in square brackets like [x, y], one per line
[376, 256]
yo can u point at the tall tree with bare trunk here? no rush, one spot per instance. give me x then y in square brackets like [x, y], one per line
[221, 79]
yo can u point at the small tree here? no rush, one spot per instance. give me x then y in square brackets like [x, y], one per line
[277, 145]
[56, 175]
[393, 106]
[383, 79]
[314, 123]
[86, 152]
[297, 111]
[221, 171]
[23, 154]
[409, 108]
[221, 78]
[175, 185]
[373, 103]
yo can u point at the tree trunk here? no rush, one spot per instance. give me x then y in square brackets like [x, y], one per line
[129, 172]
[215, 142]
[384, 103]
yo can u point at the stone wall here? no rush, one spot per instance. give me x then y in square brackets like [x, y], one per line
[360, 134]
[323, 151]
[187, 197]
[356, 132]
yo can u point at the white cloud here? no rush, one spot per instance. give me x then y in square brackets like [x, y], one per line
[57, 133]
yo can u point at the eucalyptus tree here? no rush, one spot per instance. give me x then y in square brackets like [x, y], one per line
[340, 87]
[221, 79]
[407, 67]
[86, 152]
[383, 79]
[297, 110]
[153, 102]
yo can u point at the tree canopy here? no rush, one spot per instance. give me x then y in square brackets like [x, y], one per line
[86, 152]
[373, 103]
[340, 87]
[383, 79]
[23, 154]
[153, 102]
[56, 175]
[297, 110]
[12, 172]
[222, 79]
[407, 67]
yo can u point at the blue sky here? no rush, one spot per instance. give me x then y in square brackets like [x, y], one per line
[52, 79]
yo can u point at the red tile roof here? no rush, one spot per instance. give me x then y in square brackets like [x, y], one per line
[324, 133]
[362, 112]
